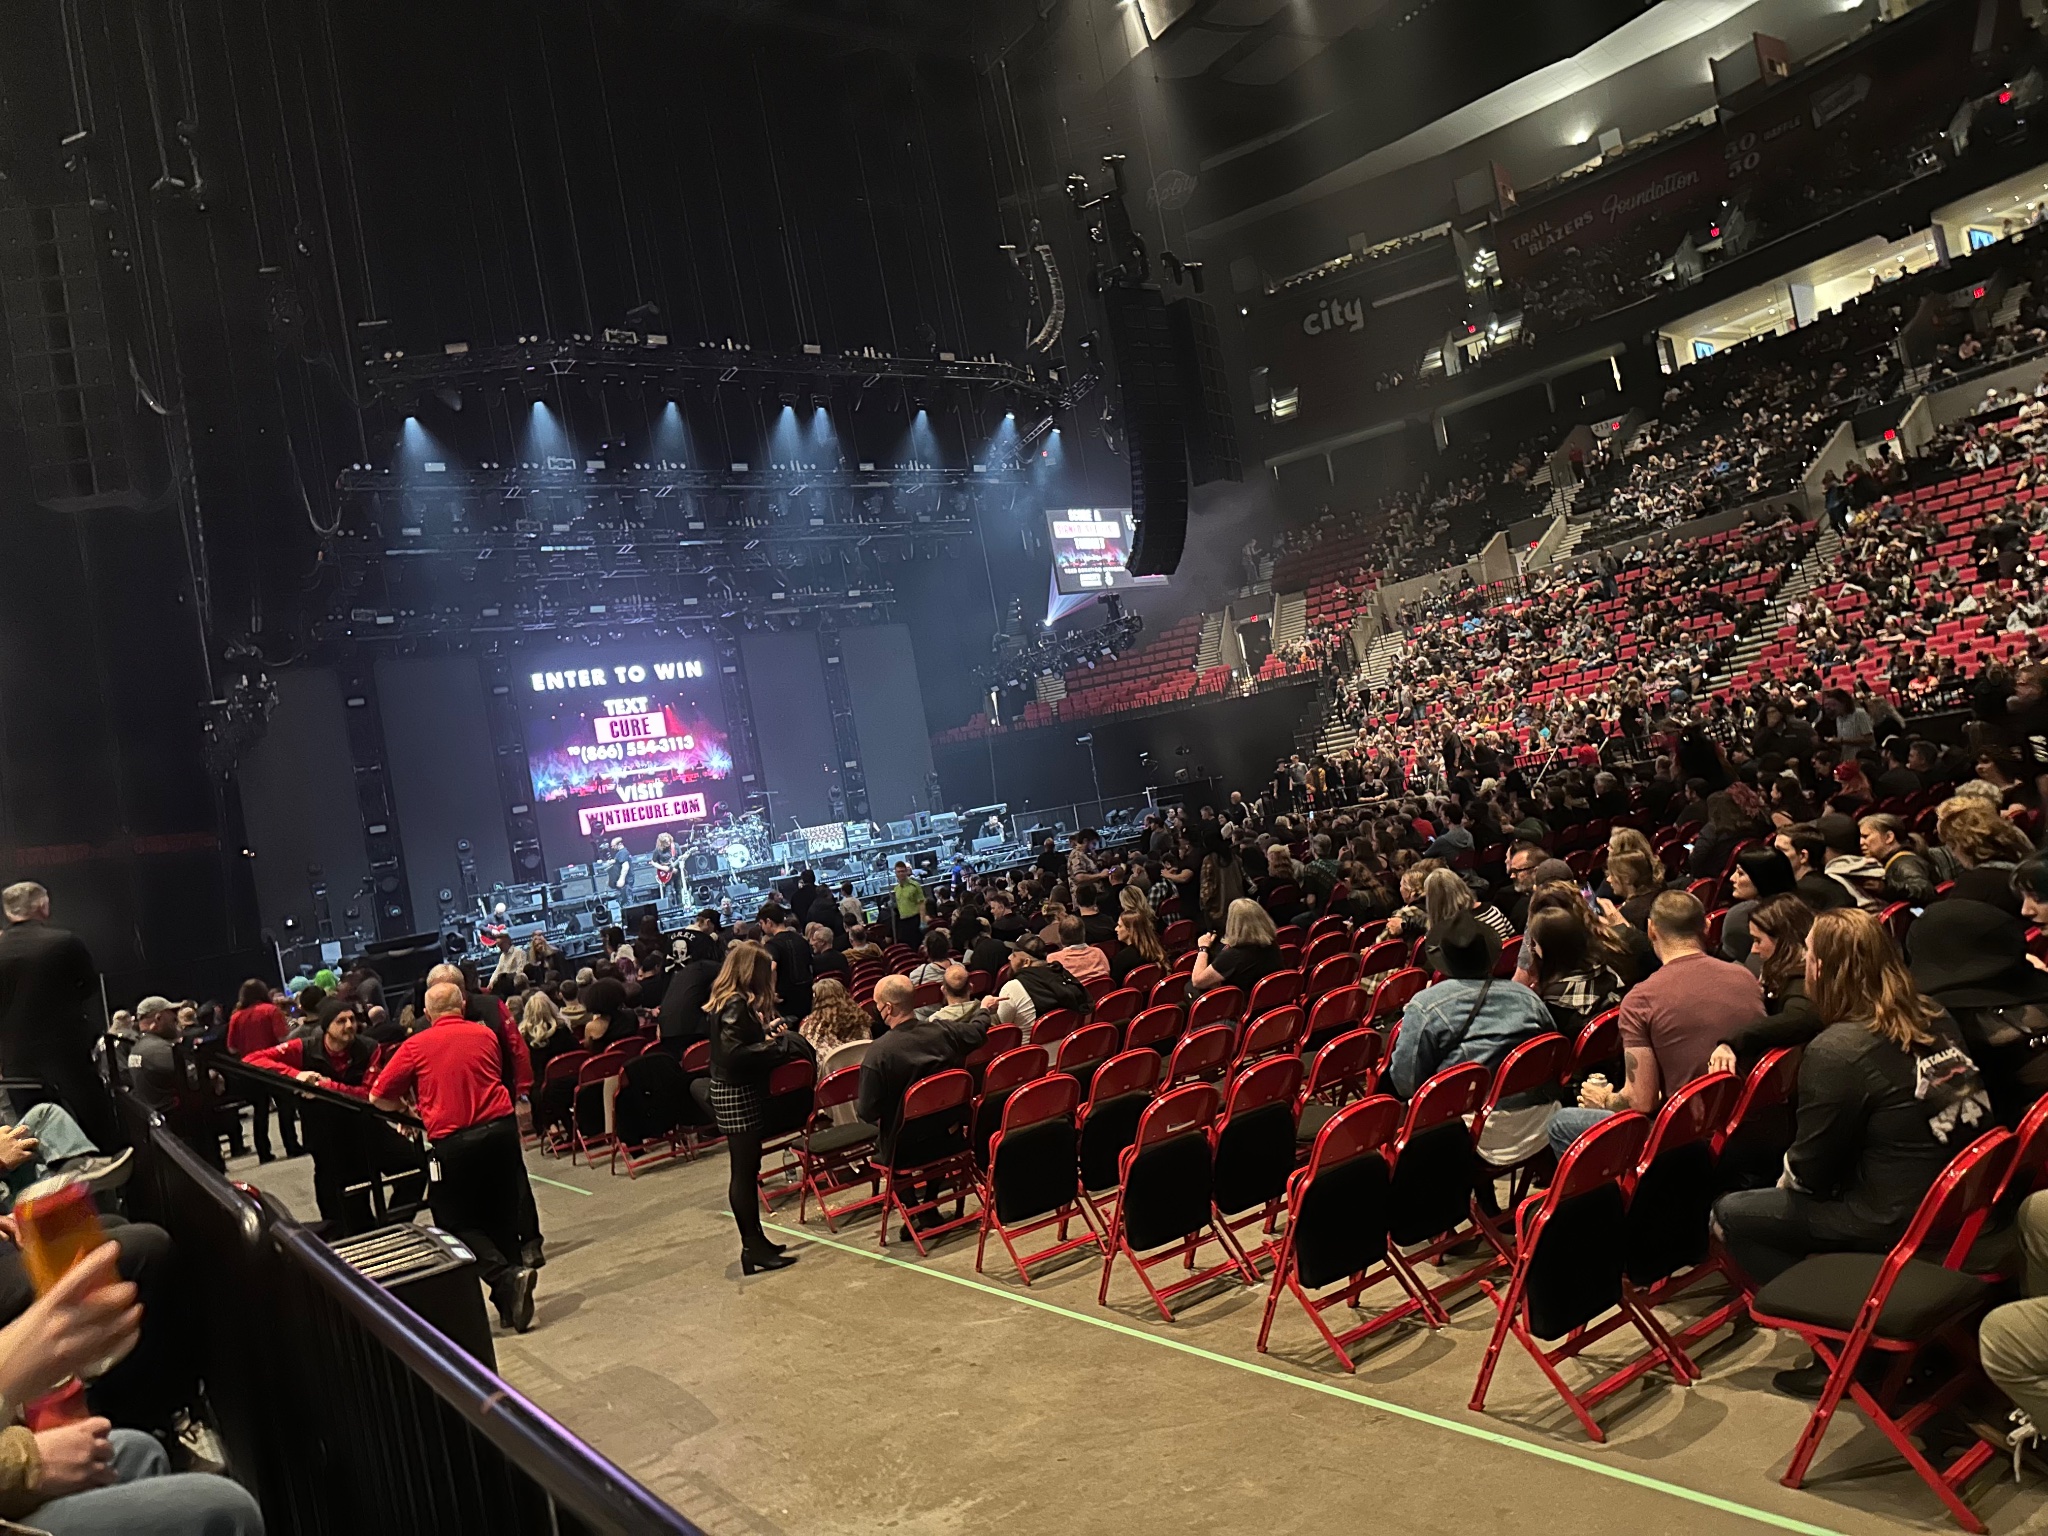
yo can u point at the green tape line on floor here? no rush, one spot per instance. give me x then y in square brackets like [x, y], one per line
[1331, 1389]
[574, 1189]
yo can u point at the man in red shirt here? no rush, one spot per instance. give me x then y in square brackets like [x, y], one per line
[478, 1186]
[515, 1070]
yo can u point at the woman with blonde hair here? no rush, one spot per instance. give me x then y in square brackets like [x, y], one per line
[1887, 1096]
[1974, 836]
[547, 1037]
[1446, 897]
[835, 1018]
[748, 1042]
[1250, 950]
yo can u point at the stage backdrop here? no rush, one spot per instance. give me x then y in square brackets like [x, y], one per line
[299, 808]
[628, 741]
[888, 714]
[443, 784]
[792, 725]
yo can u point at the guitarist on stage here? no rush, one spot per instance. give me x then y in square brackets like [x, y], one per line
[668, 872]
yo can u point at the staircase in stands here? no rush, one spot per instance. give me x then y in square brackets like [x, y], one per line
[1822, 563]
[1209, 649]
[1333, 737]
[1290, 619]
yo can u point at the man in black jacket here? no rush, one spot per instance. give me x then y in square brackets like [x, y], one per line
[46, 977]
[682, 1018]
[913, 1048]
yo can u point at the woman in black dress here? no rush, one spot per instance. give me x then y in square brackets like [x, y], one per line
[743, 1054]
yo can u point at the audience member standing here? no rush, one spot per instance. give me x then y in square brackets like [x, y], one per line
[748, 1041]
[258, 1024]
[792, 957]
[478, 1185]
[46, 978]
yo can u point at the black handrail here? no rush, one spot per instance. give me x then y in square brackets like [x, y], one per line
[342, 1409]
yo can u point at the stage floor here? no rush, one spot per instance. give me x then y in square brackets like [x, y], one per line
[857, 1392]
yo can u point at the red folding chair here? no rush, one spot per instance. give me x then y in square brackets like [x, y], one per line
[1394, 993]
[1510, 955]
[1430, 1197]
[1143, 978]
[1529, 1068]
[1838, 1304]
[1086, 1049]
[1123, 1086]
[591, 1112]
[792, 1095]
[1179, 935]
[1326, 976]
[1203, 1055]
[1005, 1075]
[1671, 1198]
[1118, 1007]
[836, 1156]
[980, 984]
[697, 1134]
[1346, 1067]
[1571, 1239]
[1254, 1153]
[1270, 1033]
[1051, 1028]
[1033, 1175]
[1098, 987]
[931, 1158]
[1388, 955]
[1167, 990]
[1155, 1028]
[554, 1097]
[1274, 991]
[1215, 1006]
[1163, 1197]
[1337, 1211]
[1000, 1038]
[1328, 925]
[1599, 1044]
[1325, 945]
[927, 994]
[1334, 1013]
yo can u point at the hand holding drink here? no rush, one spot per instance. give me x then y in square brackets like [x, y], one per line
[85, 1318]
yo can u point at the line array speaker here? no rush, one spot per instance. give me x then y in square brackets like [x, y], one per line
[1141, 339]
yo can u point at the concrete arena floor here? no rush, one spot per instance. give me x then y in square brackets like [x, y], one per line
[852, 1395]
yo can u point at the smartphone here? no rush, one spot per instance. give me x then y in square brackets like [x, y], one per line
[1591, 900]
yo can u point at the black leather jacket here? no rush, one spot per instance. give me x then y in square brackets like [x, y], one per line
[741, 1051]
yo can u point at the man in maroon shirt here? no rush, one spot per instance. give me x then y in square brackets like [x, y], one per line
[1671, 1022]
[478, 1184]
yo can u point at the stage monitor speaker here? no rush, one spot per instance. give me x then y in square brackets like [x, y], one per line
[1141, 344]
[584, 889]
[630, 920]
[901, 831]
[1205, 407]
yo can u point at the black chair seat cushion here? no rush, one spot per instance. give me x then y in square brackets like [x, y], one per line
[1667, 1219]
[1433, 1183]
[1254, 1157]
[840, 1138]
[1827, 1289]
[1111, 1126]
[1166, 1196]
[1314, 1116]
[1034, 1171]
[1575, 1272]
[1340, 1228]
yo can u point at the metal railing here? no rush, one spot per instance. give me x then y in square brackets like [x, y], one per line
[340, 1408]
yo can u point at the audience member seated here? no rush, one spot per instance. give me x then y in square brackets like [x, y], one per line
[912, 1048]
[1473, 1016]
[1138, 945]
[835, 1018]
[957, 1001]
[1760, 874]
[1076, 956]
[1670, 1022]
[938, 954]
[1566, 960]
[1887, 1095]
[1777, 954]
[1035, 986]
[1249, 952]
[1970, 958]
